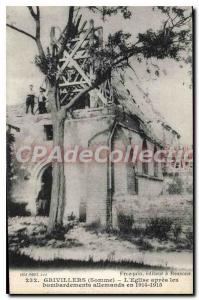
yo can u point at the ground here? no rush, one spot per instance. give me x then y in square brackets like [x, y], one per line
[78, 242]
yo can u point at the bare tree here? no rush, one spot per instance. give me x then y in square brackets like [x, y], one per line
[169, 41]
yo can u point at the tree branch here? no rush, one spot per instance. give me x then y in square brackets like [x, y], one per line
[36, 17]
[180, 22]
[33, 14]
[21, 31]
[38, 12]
[67, 30]
[128, 53]
[36, 38]
[66, 107]
[95, 84]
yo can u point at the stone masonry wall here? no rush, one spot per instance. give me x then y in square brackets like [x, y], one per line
[178, 208]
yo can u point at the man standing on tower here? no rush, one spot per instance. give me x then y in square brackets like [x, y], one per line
[42, 102]
[30, 99]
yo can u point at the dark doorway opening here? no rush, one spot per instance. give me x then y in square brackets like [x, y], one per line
[48, 132]
[82, 212]
[44, 195]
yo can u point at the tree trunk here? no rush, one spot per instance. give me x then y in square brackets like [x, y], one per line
[58, 180]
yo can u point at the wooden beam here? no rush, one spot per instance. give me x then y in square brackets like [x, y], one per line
[78, 45]
[72, 83]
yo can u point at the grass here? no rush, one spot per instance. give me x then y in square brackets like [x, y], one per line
[92, 246]
[18, 260]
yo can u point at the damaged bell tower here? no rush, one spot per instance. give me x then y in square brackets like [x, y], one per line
[77, 67]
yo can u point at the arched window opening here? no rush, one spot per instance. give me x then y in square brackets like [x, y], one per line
[145, 167]
[131, 175]
[155, 163]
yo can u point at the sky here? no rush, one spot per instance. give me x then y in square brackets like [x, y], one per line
[170, 92]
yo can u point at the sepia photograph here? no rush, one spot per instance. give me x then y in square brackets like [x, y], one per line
[99, 142]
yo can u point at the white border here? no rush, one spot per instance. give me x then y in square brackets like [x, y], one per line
[104, 2]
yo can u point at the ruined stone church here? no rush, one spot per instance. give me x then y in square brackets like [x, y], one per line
[116, 114]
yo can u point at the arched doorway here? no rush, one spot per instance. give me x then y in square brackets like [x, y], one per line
[44, 195]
